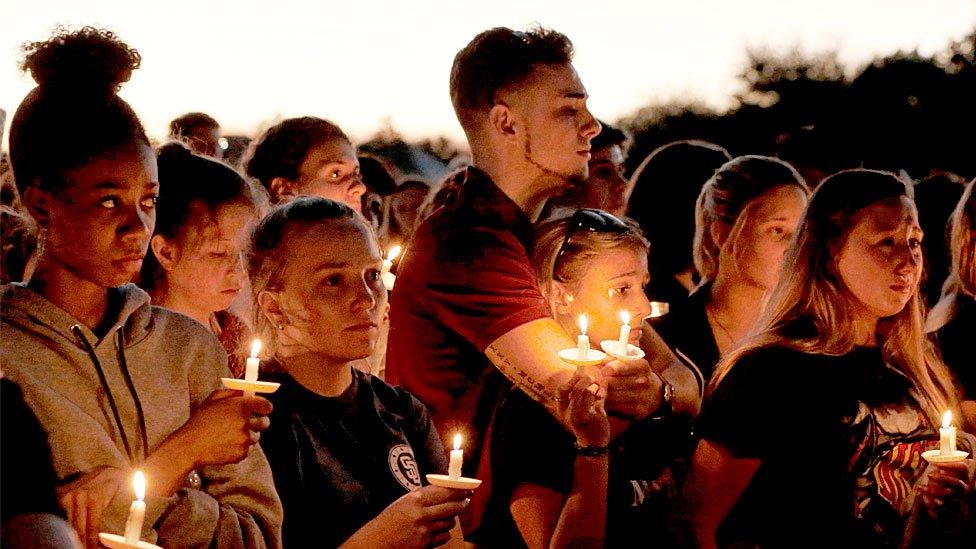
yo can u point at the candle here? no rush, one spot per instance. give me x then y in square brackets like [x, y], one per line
[137, 511]
[389, 279]
[457, 458]
[624, 338]
[251, 367]
[947, 435]
[582, 340]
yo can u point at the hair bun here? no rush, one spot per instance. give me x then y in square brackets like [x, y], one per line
[173, 151]
[90, 58]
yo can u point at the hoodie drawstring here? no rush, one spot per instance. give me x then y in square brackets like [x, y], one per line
[111, 398]
[135, 395]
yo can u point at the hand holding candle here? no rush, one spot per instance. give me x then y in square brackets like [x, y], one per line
[137, 511]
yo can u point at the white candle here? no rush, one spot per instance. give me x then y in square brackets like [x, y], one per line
[137, 511]
[624, 338]
[582, 340]
[947, 435]
[457, 458]
[253, 362]
[389, 279]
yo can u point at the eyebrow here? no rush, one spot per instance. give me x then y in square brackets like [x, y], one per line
[331, 266]
[631, 273]
[575, 94]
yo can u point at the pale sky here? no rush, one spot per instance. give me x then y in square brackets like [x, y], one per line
[363, 63]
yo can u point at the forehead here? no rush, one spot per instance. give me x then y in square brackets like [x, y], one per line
[782, 201]
[615, 262]
[333, 241]
[328, 152]
[885, 216]
[127, 168]
[554, 82]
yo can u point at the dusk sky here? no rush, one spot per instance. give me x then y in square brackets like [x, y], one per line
[365, 64]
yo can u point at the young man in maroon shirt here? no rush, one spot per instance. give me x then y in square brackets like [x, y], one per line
[467, 312]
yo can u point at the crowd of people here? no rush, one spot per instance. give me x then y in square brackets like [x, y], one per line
[778, 356]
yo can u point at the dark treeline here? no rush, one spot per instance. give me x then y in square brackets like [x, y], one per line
[900, 112]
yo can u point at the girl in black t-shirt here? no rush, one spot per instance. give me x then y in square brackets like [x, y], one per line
[564, 482]
[349, 453]
[813, 429]
[744, 218]
[953, 319]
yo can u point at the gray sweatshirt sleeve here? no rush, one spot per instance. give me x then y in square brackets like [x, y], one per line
[237, 505]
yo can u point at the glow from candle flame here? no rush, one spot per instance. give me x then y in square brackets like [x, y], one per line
[139, 485]
[255, 348]
[393, 253]
[947, 419]
[457, 441]
[624, 317]
[582, 324]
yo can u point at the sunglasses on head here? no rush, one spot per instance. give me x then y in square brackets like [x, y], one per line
[594, 221]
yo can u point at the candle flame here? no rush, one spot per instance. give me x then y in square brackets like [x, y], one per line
[457, 441]
[624, 317]
[393, 253]
[947, 419]
[582, 324]
[139, 485]
[255, 348]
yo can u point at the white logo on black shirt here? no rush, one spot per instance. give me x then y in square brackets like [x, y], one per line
[404, 466]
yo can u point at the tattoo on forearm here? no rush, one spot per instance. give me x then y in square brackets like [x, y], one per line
[519, 377]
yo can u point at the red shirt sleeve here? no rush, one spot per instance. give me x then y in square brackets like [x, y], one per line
[488, 295]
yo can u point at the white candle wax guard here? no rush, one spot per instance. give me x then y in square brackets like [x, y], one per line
[114, 541]
[612, 348]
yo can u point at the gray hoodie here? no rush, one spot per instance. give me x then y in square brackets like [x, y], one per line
[174, 363]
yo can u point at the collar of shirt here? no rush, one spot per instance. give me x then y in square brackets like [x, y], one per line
[492, 207]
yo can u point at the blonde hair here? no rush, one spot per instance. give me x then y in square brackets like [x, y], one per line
[569, 266]
[809, 292]
[962, 244]
[728, 197]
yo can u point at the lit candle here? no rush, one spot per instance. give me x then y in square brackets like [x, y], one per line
[137, 511]
[251, 367]
[947, 435]
[582, 340]
[624, 338]
[389, 279]
[457, 458]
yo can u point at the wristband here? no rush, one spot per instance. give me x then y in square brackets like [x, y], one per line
[591, 451]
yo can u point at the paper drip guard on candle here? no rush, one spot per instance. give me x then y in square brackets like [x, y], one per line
[936, 456]
[571, 356]
[114, 541]
[612, 348]
[460, 483]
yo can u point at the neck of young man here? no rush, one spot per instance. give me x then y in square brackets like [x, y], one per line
[171, 298]
[323, 375]
[80, 298]
[524, 183]
[735, 304]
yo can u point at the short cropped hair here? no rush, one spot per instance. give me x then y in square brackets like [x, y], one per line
[191, 121]
[498, 59]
